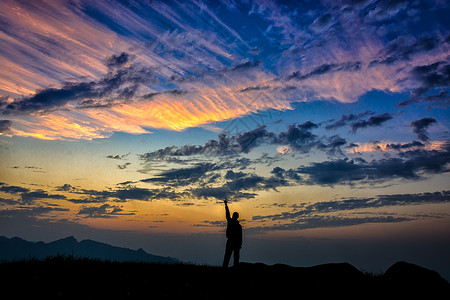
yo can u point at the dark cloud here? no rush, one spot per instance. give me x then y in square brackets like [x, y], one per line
[242, 181]
[12, 189]
[432, 76]
[120, 82]
[220, 193]
[119, 157]
[225, 145]
[325, 69]
[254, 88]
[345, 119]
[26, 196]
[442, 99]
[286, 174]
[116, 61]
[103, 211]
[204, 73]
[132, 193]
[184, 176]
[207, 223]
[405, 146]
[333, 145]
[124, 166]
[251, 139]
[403, 48]
[66, 188]
[88, 104]
[298, 136]
[410, 165]
[171, 92]
[388, 11]
[328, 222]
[239, 185]
[322, 23]
[5, 125]
[120, 194]
[345, 205]
[29, 212]
[420, 128]
[31, 197]
[245, 65]
[372, 122]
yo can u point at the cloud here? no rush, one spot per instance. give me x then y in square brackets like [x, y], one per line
[403, 48]
[124, 166]
[66, 188]
[224, 145]
[345, 119]
[286, 174]
[298, 136]
[179, 65]
[120, 82]
[392, 146]
[220, 193]
[432, 76]
[238, 185]
[410, 165]
[374, 121]
[420, 128]
[28, 213]
[405, 146]
[31, 197]
[184, 176]
[326, 69]
[341, 212]
[118, 157]
[4, 126]
[121, 193]
[242, 181]
[12, 189]
[213, 181]
[115, 61]
[322, 23]
[328, 222]
[345, 205]
[26, 196]
[103, 211]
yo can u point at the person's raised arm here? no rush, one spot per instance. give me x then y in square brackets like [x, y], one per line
[227, 211]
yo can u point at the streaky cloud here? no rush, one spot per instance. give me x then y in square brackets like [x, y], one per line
[177, 65]
[344, 205]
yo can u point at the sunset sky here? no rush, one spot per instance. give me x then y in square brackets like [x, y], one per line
[324, 123]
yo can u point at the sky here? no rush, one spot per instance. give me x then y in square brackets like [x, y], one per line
[324, 123]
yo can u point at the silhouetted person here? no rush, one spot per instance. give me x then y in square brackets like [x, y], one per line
[234, 238]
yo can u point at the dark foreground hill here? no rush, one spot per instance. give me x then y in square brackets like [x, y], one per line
[67, 277]
[13, 249]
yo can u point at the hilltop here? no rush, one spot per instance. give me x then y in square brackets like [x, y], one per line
[13, 249]
[66, 276]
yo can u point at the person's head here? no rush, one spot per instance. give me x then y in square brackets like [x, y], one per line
[235, 215]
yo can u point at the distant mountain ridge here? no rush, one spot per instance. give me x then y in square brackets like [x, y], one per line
[13, 249]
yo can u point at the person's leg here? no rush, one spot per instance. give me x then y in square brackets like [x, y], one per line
[226, 258]
[236, 257]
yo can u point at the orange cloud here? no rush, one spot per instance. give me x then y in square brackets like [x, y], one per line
[383, 147]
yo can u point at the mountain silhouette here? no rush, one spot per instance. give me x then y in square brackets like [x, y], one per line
[413, 278]
[13, 249]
